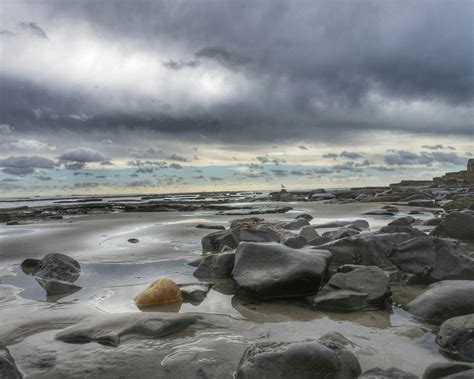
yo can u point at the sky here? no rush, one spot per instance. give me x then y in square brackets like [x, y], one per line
[176, 96]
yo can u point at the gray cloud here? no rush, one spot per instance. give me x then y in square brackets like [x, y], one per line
[82, 155]
[34, 28]
[351, 155]
[403, 157]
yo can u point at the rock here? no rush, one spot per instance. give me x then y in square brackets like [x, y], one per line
[432, 259]
[383, 199]
[444, 300]
[29, 265]
[296, 224]
[133, 240]
[59, 267]
[402, 221]
[306, 216]
[458, 225]
[360, 288]
[109, 329]
[195, 292]
[322, 196]
[402, 229]
[12, 223]
[340, 233]
[309, 359]
[308, 233]
[422, 203]
[432, 221]
[272, 270]
[319, 241]
[216, 266]
[5, 217]
[160, 292]
[295, 242]
[348, 268]
[460, 203]
[214, 242]
[205, 226]
[357, 224]
[449, 370]
[367, 250]
[456, 338]
[380, 213]
[57, 287]
[8, 369]
[388, 373]
[195, 262]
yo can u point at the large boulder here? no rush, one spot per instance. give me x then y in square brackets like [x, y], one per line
[308, 233]
[216, 265]
[444, 300]
[215, 242]
[449, 370]
[8, 369]
[432, 259]
[367, 250]
[456, 338]
[57, 266]
[272, 270]
[302, 360]
[160, 292]
[458, 225]
[361, 288]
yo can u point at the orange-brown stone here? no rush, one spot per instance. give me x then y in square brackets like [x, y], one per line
[161, 291]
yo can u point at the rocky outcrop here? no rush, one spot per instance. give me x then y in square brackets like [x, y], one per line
[160, 292]
[456, 338]
[444, 300]
[309, 359]
[458, 225]
[432, 259]
[110, 329]
[272, 270]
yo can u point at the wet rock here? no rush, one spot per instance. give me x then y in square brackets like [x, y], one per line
[57, 287]
[195, 262]
[59, 267]
[272, 270]
[214, 242]
[216, 266]
[357, 224]
[341, 233]
[296, 224]
[444, 300]
[422, 203]
[456, 338]
[380, 213]
[360, 288]
[8, 368]
[458, 225]
[111, 328]
[402, 229]
[348, 268]
[295, 242]
[12, 223]
[432, 221]
[160, 292]
[5, 217]
[306, 216]
[133, 240]
[309, 359]
[195, 292]
[29, 265]
[387, 373]
[449, 370]
[432, 259]
[322, 196]
[308, 233]
[319, 241]
[206, 226]
[367, 250]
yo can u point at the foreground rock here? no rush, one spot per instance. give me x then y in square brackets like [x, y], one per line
[160, 292]
[110, 329]
[309, 359]
[432, 259]
[458, 225]
[8, 369]
[388, 373]
[444, 300]
[456, 338]
[272, 270]
[55, 287]
[59, 267]
[449, 370]
[362, 288]
[216, 266]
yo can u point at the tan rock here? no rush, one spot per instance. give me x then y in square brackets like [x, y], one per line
[161, 291]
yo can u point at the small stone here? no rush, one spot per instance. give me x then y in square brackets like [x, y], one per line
[162, 291]
[133, 240]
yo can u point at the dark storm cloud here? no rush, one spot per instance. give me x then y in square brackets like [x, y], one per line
[327, 68]
[351, 155]
[82, 155]
[402, 157]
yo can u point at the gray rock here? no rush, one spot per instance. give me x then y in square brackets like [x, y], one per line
[216, 266]
[458, 225]
[306, 216]
[348, 268]
[309, 359]
[57, 287]
[322, 196]
[111, 328]
[402, 229]
[357, 224]
[341, 233]
[379, 213]
[361, 288]
[429, 203]
[208, 226]
[402, 221]
[308, 233]
[444, 300]
[432, 221]
[295, 242]
[195, 292]
[456, 338]
[449, 370]
[296, 224]
[5, 217]
[59, 267]
[319, 241]
[272, 270]
[214, 242]
[8, 369]
[133, 240]
[387, 373]
[29, 265]
[432, 259]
